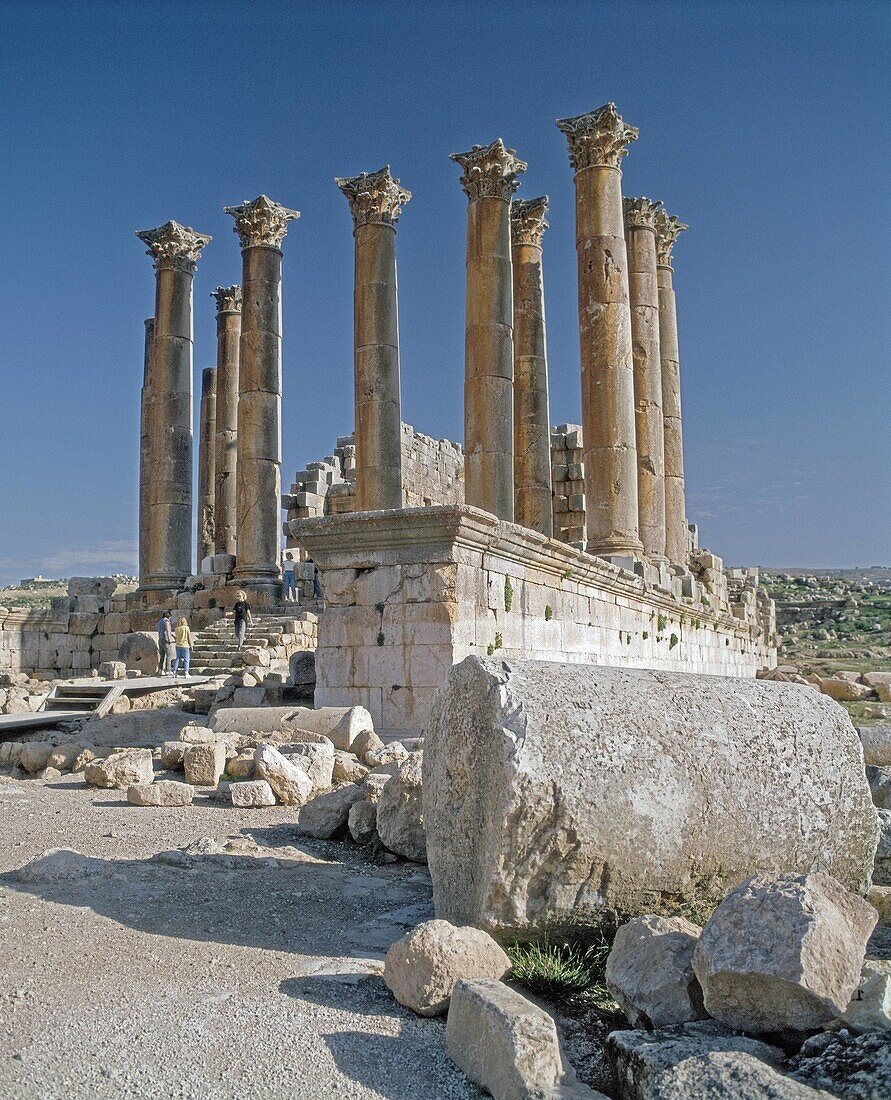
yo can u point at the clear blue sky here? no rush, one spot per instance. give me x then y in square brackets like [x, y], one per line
[762, 125]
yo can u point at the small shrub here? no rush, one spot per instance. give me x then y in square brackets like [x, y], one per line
[645, 635]
[706, 602]
[549, 612]
[568, 974]
[661, 623]
[380, 638]
[508, 594]
[673, 641]
[212, 602]
[499, 642]
[490, 649]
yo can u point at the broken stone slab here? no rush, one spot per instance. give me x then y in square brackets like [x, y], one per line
[394, 753]
[876, 742]
[166, 792]
[113, 670]
[783, 952]
[844, 690]
[201, 735]
[700, 1061]
[290, 783]
[204, 764]
[347, 768]
[503, 1042]
[341, 725]
[254, 792]
[852, 1067]
[649, 971]
[121, 770]
[171, 754]
[317, 760]
[870, 1007]
[326, 815]
[553, 791]
[880, 786]
[881, 875]
[103, 587]
[400, 812]
[362, 821]
[247, 720]
[422, 967]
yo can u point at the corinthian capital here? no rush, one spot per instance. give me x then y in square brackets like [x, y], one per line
[600, 137]
[527, 220]
[490, 171]
[668, 229]
[641, 213]
[173, 246]
[374, 197]
[261, 222]
[228, 299]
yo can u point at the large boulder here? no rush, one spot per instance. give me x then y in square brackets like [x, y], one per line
[650, 971]
[35, 755]
[783, 952]
[121, 770]
[844, 690]
[316, 759]
[421, 968]
[204, 764]
[139, 653]
[327, 815]
[254, 792]
[400, 813]
[552, 791]
[289, 782]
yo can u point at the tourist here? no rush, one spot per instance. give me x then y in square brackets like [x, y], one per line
[183, 638]
[243, 617]
[290, 579]
[166, 649]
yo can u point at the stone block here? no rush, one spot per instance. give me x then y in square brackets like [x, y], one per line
[204, 764]
[254, 793]
[120, 770]
[400, 815]
[103, 587]
[166, 792]
[289, 782]
[326, 815]
[317, 760]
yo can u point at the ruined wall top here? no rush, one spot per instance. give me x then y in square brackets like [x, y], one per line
[490, 171]
[598, 138]
[261, 222]
[374, 197]
[528, 221]
[173, 246]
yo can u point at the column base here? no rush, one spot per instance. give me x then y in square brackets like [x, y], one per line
[618, 547]
[173, 582]
[262, 595]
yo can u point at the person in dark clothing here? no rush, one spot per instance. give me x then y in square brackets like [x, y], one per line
[243, 618]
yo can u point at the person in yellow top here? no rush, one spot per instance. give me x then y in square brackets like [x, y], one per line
[182, 635]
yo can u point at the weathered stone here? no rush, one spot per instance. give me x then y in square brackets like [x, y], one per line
[421, 968]
[650, 971]
[362, 821]
[246, 720]
[876, 741]
[879, 897]
[870, 1007]
[317, 760]
[289, 782]
[881, 875]
[59, 865]
[165, 792]
[327, 814]
[879, 780]
[341, 725]
[35, 755]
[393, 753]
[852, 1067]
[64, 756]
[400, 814]
[241, 766]
[783, 952]
[255, 792]
[87, 754]
[113, 670]
[103, 587]
[200, 735]
[700, 1061]
[204, 764]
[366, 741]
[121, 770]
[501, 1041]
[50, 775]
[551, 791]
[172, 753]
[347, 768]
[374, 784]
[256, 658]
[844, 690]
[139, 652]
[142, 727]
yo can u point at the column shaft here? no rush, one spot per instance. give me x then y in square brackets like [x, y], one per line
[641, 242]
[145, 455]
[206, 463]
[226, 455]
[533, 504]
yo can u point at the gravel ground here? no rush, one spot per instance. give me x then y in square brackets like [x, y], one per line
[214, 972]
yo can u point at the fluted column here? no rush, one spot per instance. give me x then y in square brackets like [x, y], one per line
[376, 201]
[640, 237]
[261, 226]
[533, 506]
[145, 455]
[175, 250]
[597, 143]
[228, 301]
[489, 180]
[668, 228]
[207, 433]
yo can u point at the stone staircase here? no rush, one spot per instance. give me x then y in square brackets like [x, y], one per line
[215, 652]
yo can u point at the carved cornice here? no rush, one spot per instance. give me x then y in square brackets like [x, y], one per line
[641, 213]
[527, 220]
[261, 222]
[174, 247]
[374, 197]
[600, 137]
[490, 171]
[668, 229]
[228, 299]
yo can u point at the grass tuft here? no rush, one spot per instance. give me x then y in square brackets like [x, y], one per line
[566, 974]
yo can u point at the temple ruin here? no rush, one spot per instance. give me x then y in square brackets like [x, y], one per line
[565, 543]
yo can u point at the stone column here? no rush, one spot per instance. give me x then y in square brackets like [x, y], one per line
[668, 229]
[175, 249]
[145, 457]
[376, 201]
[533, 506]
[489, 180]
[261, 226]
[597, 143]
[207, 439]
[640, 238]
[228, 301]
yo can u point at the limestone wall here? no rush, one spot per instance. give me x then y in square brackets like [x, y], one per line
[409, 594]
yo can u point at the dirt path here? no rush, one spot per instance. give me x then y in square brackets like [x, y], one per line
[217, 975]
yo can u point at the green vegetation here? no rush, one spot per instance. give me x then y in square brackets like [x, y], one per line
[508, 594]
[566, 974]
[673, 641]
[549, 613]
[661, 623]
[380, 638]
